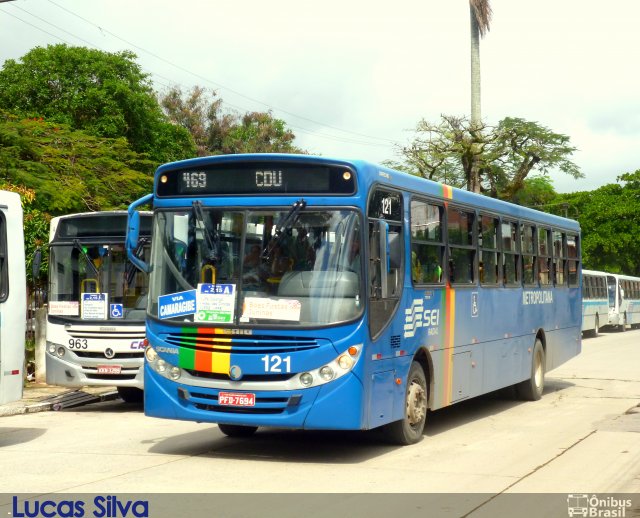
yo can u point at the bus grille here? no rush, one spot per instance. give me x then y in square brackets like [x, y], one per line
[246, 377]
[133, 333]
[243, 344]
[118, 356]
[111, 377]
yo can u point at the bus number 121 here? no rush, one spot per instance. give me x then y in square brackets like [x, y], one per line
[273, 363]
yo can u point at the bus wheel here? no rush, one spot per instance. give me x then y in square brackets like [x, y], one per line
[235, 430]
[623, 327]
[131, 394]
[531, 389]
[596, 329]
[409, 429]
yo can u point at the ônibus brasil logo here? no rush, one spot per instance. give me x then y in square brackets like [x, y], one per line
[581, 504]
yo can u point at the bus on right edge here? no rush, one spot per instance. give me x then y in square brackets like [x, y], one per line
[624, 301]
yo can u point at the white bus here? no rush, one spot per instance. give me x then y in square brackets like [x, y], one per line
[13, 298]
[595, 301]
[97, 301]
[624, 301]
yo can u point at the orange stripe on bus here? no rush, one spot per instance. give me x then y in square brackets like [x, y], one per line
[449, 337]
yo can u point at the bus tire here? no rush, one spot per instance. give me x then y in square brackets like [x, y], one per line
[531, 389]
[131, 394]
[236, 430]
[409, 429]
[596, 330]
[623, 327]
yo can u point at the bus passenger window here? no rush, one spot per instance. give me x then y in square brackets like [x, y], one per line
[489, 255]
[427, 247]
[527, 233]
[572, 260]
[559, 257]
[544, 257]
[510, 253]
[460, 230]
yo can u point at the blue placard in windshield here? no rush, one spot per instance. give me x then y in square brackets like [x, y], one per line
[177, 304]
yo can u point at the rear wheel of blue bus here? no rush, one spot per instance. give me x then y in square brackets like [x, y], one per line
[409, 430]
[234, 430]
[531, 389]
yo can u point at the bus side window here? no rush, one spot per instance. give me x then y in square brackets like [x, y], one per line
[527, 234]
[510, 253]
[462, 248]
[544, 257]
[427, 246]
[559, 258]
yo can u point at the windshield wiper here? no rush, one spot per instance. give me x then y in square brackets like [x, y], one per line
[211, 238]
[130, 268]
[287, 221]
[79, 247]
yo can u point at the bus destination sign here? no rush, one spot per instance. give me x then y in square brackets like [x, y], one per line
[257, 178]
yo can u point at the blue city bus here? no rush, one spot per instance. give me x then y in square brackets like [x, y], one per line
[313, 293]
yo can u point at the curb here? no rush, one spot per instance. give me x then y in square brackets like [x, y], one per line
[53, 403]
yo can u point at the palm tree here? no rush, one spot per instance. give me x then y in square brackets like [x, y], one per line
[480, 12]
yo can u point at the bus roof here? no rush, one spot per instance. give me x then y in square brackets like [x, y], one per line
[370, 174]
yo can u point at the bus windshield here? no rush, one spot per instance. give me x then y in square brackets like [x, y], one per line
[84, 268]
[284, 267]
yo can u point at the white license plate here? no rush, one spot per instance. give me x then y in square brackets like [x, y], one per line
[109, 369]
[236, 399]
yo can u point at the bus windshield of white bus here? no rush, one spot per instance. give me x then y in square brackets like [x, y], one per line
[90, 276]
[285, 267]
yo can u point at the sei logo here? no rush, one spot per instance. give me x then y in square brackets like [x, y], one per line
[416, 317]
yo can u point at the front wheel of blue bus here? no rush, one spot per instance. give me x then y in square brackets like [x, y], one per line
[409, 430]
[234, 430]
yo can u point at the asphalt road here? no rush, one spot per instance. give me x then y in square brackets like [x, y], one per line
[583, 436]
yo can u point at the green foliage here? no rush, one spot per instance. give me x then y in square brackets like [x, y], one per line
[494, 160]
[216, 131]
[610, 224]
[69, 170]
[36, 227]
[104, 94]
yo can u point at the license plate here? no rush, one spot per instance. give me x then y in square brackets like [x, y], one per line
[236, 399]
[109, 369]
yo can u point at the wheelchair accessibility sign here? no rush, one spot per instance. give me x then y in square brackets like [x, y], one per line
[116, 311]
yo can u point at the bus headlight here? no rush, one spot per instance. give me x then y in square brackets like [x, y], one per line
[52, 348]
[61, 351]
[150, 354]
[162, 367]
[332, 370]
[326, 373]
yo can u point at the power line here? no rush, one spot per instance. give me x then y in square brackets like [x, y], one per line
[389, 142]
[219, 85]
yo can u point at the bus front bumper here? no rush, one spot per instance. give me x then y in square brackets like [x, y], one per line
[72, 371]
[337, 405]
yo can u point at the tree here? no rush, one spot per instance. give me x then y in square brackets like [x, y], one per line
[216, 131]
[480, 17]
[104, 94]
[69, 170]
[36, 227]
[610, 225]
[504, 155]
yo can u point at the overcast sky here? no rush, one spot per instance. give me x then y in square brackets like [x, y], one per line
[352, 77]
